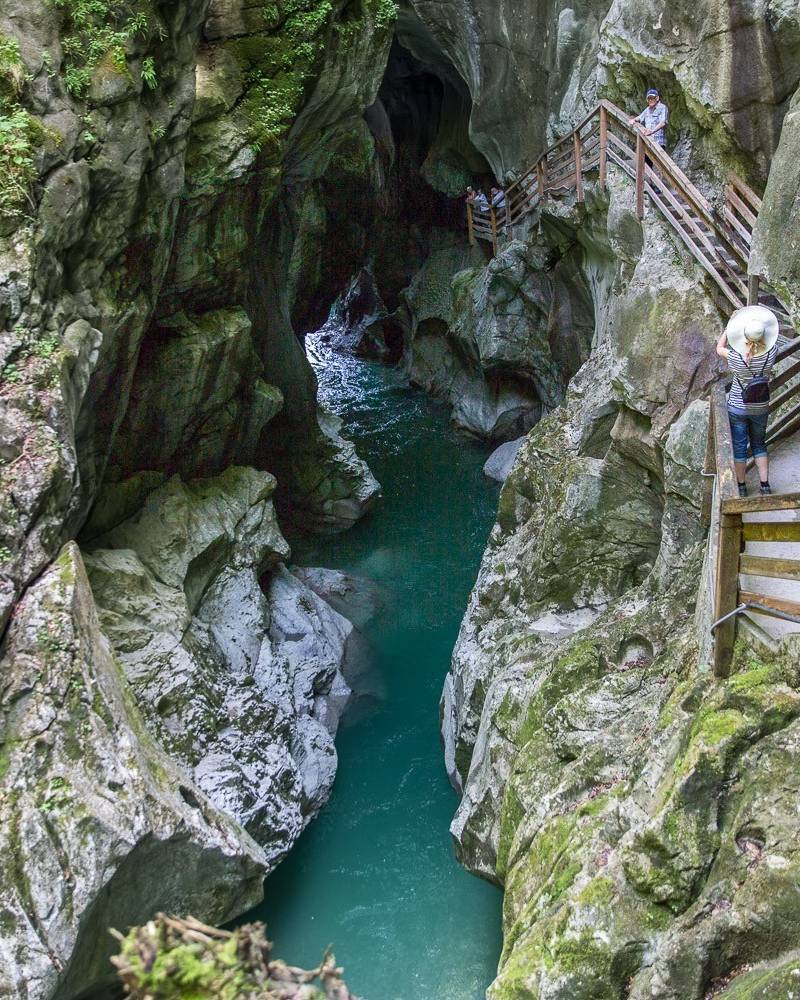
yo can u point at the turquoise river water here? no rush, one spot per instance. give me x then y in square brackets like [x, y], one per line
[375, 874]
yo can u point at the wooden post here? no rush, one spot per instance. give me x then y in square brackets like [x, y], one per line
[541, 173]
[578, 166]
[753, 282]
[640, 175]
[470, 225]
[493, 218]
[709, 467]
[509, 230]
[727, 590]
[603, 145]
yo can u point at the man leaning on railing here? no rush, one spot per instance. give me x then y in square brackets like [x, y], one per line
[654, 118]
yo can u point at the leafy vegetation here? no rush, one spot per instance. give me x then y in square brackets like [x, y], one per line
[171, 959]
[99, 31]
[279, 64]
[20, 133]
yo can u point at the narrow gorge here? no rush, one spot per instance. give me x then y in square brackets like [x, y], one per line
[252, 363]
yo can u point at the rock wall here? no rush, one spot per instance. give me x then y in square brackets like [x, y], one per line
[175, 710]
[531, 71]
[635, 811]
[176, 191]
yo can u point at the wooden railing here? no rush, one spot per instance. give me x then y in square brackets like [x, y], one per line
[720, 241]
[724, 510]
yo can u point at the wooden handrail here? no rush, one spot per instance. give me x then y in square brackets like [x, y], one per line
[720, 242]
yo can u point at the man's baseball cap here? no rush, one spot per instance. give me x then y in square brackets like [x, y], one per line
[652, 92]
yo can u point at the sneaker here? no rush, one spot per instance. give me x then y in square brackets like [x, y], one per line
[765, 489]
[742, 489]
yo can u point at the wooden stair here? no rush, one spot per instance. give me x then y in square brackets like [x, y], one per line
[756, 540]
[719, 240]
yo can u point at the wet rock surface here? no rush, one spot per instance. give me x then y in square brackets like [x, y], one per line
[236, 665]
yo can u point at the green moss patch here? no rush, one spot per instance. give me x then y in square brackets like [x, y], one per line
[278, 65]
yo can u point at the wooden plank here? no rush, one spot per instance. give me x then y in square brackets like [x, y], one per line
[726, 591]
[783, 397]
[776, 603]
[621, 148]
[771, 531]
[745, 190]
[564, 183]
[666, 163]
[723, 446]
[493, 220]
[470, 226]
[520, 184]
[603, 146]
[744, 211]
[640, 176]
[758, 504]
[578, 168]
[593, 113]
[555, 163]
[785, 426]
[711, 253]
[788, 350]
[709, 469]
[731, 220]
[775, 569]
[621, 163]
[732, 299]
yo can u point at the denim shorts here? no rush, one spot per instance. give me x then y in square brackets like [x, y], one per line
[746, 431]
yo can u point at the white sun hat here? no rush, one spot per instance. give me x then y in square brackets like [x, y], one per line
[752, 324]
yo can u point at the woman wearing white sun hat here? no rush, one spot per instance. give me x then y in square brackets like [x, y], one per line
[750, 346]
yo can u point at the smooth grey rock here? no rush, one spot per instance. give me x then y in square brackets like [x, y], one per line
[356, 598]
[243, 685]
[776, 244]
[99, 827]
[500, 463]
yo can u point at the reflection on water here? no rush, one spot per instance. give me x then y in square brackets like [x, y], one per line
[375, 875]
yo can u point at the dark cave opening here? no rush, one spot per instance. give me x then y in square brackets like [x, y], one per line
[385, 219]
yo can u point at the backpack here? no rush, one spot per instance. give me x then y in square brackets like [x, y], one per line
[756, 391]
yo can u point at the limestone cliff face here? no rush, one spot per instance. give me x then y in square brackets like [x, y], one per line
[635, 811]
[175, 709]
[181, 183]
[528, 73]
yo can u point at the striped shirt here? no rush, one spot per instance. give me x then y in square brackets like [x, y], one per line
[760, 365]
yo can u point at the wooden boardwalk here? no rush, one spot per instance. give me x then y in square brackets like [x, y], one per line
[755, 541]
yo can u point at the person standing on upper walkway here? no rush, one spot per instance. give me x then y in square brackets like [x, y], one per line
[750, 346]
[498, 198]
[654, 118]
